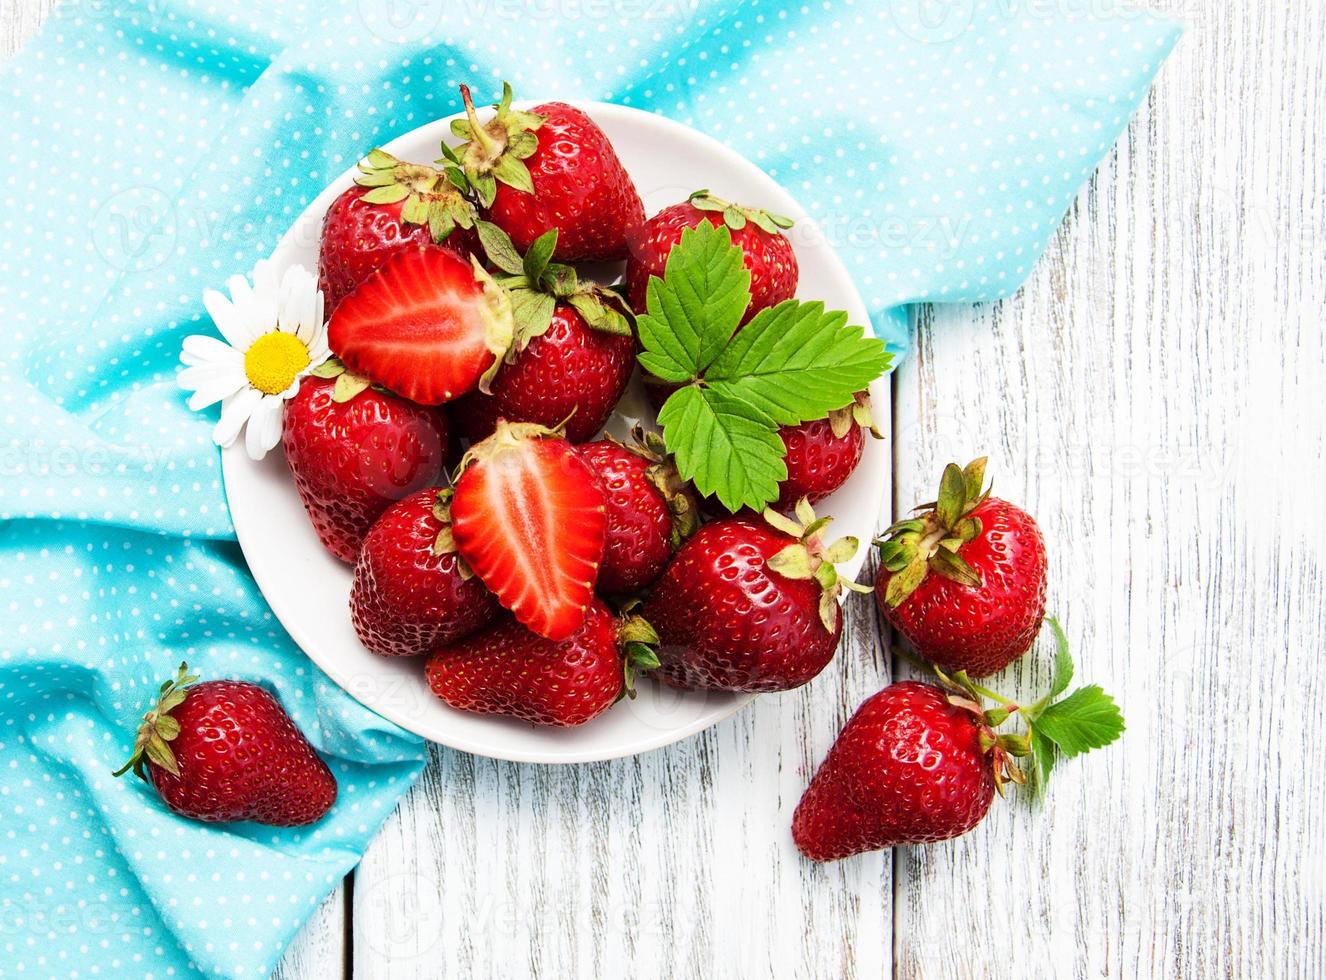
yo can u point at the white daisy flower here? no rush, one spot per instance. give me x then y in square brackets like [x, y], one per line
[274, 335]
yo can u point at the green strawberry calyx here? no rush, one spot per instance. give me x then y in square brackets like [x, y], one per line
[537, 285]
[662, 474]
[639, 645]
[348, 384]
[159, 728]
[932, 540]
[445, 542]
[857, 413]
[495, 150]
[737, 216]
[1056, 725]
[811, 557]
[437, 198]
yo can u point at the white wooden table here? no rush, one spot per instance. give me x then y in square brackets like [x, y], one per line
[1155, 396]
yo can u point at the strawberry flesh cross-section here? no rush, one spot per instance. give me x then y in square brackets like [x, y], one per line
[529, 517]
[428, 325]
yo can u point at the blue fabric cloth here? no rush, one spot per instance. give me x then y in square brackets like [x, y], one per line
[153, 149]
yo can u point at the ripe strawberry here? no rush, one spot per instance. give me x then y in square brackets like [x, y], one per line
[822, 454]
[910, 767]
[354, 449]
[768, 254]
[226, 750]
[919, 763]
[393, 206]
[428, 325]
[573, 350]
[508, 670]
[549, 168]
[651, 511]
[984, 605]
[411, 590]
[529, 517]
[750, 605]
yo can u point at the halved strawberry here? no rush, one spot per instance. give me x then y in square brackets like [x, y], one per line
[427, 325]
[530, 518]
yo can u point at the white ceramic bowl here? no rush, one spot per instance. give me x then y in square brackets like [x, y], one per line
[308, 589]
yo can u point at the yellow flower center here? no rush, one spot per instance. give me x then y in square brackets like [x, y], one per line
[274, 361]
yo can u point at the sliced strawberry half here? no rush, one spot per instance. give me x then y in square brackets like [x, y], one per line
[428, 325]
[529, 518]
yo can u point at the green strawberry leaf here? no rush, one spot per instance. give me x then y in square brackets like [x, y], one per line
[728, 448]
[1086, 719]
[1063, 660]
[694, 309]
[499, 248]
[1043, 755]
[797, 362]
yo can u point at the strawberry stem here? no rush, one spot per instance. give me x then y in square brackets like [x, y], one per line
[491, 147]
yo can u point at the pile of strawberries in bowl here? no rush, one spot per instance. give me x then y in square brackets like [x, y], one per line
[452, 451]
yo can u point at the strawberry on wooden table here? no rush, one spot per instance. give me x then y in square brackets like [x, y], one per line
[751, 604]
[428, 325]
[572, 353]
[508, 670]
[765, 250]
[651, 510]
[394, 205]
[920, 762]
[821, 454]
[964, 581]
[529, 517]
[411, 591]
[226, 750]
[354, 449]
[551, 168]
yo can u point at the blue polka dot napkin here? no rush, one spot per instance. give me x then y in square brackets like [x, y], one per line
[153, 149]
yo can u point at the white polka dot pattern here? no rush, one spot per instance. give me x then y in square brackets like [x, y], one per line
[153, 149]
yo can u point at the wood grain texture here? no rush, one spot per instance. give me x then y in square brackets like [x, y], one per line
[1155, 396]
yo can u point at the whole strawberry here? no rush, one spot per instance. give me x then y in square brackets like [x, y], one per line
[508, 670]
[528, 516]
[910, 767]
[572, 354]
[650, 510]
[750, 604]
[822, 454]
[549, 168]
[411, 591]
[354, 450]
[767, 252]
[393, 206]
[226, 750]
[984, 603]
[919, 763]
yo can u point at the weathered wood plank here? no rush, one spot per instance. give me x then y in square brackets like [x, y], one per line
[1154, 396]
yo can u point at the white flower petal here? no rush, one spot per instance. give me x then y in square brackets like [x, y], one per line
[266, 297]
[210, 383]
[202, 349]
[229, 318]
[318, 351]
[235, 411]
[264, 430]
